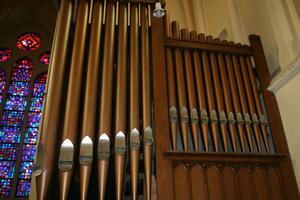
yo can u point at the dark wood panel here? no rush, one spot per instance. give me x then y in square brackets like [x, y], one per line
[246, 184]
[182, 186]
[230, 183]
[275, 184]
[199, 183]
[215, 183]
[260, 184]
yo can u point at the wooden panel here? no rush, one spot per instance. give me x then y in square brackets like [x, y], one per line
[275, 184]
[181, 183]
[215, 183]
[260, 184]
[199, 183]
[230, 183]
[246, 184]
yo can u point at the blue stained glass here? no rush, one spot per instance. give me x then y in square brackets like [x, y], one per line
[39, 89]
[34, 119]
[10, 134]
[28, 153]
[5, 187]
[2, 81]
[12, 118]
[23, 188]
[2, 86]
[8, 151]
[17, 103]
[0, 98]
[21, 74]
[26, 170]
[36, 104]
[19, 88]
[31, 136]
[7, 169]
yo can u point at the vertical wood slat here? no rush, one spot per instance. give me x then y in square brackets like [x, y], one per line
[181, 92]
[260, 184]
[276, 185]
[182, 185]
[230, 183]
[215, 183]
[246, 183]
[199, 183]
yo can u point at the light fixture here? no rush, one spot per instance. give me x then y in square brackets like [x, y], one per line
[158, 11]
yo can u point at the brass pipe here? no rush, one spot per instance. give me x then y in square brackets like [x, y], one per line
[191, 93]
[258, 104]
[228, 104]
[210, 99]
[70, 129]
[171, 89]
[106, 100]
[90, 101]
[184, 119]
[146, 97]
[236, 102]
[249, 94]
[243, 102]
[134, 100]
[200, 92]
[50, 125]
[121, 102]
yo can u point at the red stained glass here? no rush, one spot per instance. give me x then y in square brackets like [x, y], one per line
[24, 63]
[29, 42]
[5, 54]
[45, 58]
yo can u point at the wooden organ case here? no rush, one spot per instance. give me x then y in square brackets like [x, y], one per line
[138, 109]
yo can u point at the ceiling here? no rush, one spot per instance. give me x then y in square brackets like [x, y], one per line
[14, 12]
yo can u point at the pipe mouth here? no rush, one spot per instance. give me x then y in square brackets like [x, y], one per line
[38, 168]
[120, 143]
[134, 139]
[159, 11]
[65, 162]
[103, 147]
[86, 151]
[148, 136]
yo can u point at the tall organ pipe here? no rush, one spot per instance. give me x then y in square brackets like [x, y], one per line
[243, 101]
[134, 100]
[70, 129]
[50, 125]
[210, 99]
[90, 101]
[146, 98]
[184, 118]
[171, 89]
[258, 104]
[106, 101]
[228, 104]
[255, 121]
[236, 102]
[191, 93]
[200, 92]
[121, 102]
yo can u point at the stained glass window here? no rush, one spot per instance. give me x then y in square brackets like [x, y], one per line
[45, 58]
[5, 54]
[29, 42]
[17, 108]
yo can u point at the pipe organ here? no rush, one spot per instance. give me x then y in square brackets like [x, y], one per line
[139, 108]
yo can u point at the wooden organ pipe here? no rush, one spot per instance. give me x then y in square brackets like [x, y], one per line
[236, 102]
[173, 115]
[50, 125]
[134, 100]
[191, 93]
[210, 97]
[243, 102]
[228, 104]
[121, 102]
[200, 92]
[182, 103]
[255, 121]
[146, 99]
[90, 101]
[262, 118]
[219, 98]
[70, 129]
[104, 140]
